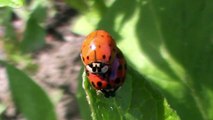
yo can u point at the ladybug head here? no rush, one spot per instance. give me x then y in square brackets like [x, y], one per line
[97, 67]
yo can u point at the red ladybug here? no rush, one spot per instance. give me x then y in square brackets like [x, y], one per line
[104, 63]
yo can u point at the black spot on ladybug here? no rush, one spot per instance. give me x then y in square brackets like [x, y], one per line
[117, 80]
[87, 57]
[104, 56]
[99, 46]
[93, 84]
[110, 44]
[99, 84]
[120, 67]
[102, 35]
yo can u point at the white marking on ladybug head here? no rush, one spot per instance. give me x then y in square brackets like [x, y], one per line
[89, 69]
[97, 68]
[104, 69]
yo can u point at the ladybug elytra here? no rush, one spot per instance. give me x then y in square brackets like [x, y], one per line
[104, 63]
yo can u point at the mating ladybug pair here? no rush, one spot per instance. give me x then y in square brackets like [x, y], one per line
[104, 63]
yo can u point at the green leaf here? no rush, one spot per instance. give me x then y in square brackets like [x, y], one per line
[80, 5]
[6, 16]
[136, 100]
[172, 44]
[30, 99]
[81, 99]
[85, 6]
[34, 33]
[93, 11]
[33, 37]
[40, 12]
[11, 3]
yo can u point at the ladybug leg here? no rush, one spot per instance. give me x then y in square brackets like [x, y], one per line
[109, 93]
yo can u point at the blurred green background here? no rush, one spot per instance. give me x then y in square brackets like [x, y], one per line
[168, 45]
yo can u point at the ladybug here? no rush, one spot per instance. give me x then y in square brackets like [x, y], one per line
[98, 46]
[104, 63]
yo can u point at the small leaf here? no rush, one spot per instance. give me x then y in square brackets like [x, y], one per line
[30, 99]
[136, 99]
[39, 13]
[81, 99]
[5, 21]
[33, 37]
[170, 43]
[34, 33]
[11, 3]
